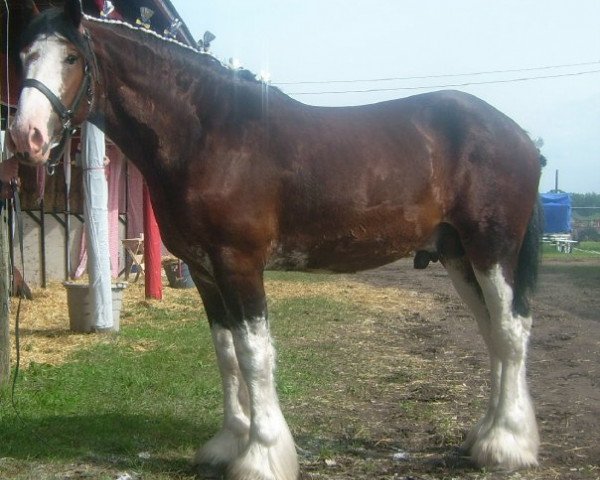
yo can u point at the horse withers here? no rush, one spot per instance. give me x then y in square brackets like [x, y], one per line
[242, 178]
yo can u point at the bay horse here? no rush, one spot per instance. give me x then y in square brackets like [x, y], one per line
[244, 178]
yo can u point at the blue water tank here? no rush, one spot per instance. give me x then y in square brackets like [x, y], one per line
[557, 212]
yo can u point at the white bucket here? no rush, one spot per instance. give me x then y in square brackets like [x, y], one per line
[80, 311]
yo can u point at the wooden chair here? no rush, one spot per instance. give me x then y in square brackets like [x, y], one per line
[134, 247]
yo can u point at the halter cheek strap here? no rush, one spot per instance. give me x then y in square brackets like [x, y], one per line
[65, 114]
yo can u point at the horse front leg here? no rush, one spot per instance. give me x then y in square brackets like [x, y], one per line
[221, 450]
[270, 453]
[232, 438]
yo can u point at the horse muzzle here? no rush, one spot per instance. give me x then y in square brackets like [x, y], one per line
[29, 144]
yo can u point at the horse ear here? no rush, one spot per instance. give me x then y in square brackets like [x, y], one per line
[73, 12]
[31, 8]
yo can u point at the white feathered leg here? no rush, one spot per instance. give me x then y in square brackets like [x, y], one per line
[463, 278]
[270, 453]
[511, 441]
[232, 439]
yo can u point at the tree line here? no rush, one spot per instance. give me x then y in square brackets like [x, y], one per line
[585, 199]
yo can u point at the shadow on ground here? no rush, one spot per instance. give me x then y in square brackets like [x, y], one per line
[109, 440]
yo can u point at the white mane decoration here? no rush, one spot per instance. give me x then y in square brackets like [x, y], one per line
[146, 31]
[112, 21]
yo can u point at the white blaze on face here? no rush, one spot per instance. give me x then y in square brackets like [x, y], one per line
[35, 122]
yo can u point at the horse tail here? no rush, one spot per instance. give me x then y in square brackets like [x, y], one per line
[528, 263]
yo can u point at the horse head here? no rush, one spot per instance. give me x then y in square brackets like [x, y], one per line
[56, 60]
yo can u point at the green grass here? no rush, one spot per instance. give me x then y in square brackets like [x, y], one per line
[110, 402]
[583, 250]
[152, 388]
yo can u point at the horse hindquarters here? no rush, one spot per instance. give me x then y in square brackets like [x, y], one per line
[255, 441]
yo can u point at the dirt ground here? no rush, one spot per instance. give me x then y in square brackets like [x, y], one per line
[563, 375]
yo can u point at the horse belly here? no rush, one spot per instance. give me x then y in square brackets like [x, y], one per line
[343, 255]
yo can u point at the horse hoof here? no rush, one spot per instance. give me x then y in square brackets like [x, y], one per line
[421, 260]
[477, 431]
[220, 450]
[209, 471]
[259, 462]
[501, 449]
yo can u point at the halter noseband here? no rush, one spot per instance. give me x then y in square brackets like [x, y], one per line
[65, 114]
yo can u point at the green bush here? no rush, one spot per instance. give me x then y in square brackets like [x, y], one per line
[588, 234]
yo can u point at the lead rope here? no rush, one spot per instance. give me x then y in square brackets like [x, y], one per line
[17, 206]
[19, 219]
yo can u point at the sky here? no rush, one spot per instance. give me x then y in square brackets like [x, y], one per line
[340, 42]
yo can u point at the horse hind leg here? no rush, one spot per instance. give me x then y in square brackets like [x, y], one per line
[463, 278]
[508, 437]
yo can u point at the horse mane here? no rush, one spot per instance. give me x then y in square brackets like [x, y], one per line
[177, 46]
[52, 21]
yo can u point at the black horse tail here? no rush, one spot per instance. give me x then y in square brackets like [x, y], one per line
[529, 260]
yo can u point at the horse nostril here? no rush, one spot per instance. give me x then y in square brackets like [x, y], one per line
[36, 140]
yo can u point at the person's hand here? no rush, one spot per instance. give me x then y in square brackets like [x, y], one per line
[9, 172]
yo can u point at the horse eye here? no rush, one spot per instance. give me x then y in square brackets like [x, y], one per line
[71, 59]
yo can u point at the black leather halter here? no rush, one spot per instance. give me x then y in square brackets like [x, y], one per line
[65, 114]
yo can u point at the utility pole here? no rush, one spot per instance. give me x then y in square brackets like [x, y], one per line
[152, 250]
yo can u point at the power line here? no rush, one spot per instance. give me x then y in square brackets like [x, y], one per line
[465, 84]
[444, 75]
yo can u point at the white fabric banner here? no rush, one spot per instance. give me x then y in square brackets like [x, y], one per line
[95, 193]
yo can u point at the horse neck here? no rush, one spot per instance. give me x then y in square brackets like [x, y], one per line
[158, 100]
